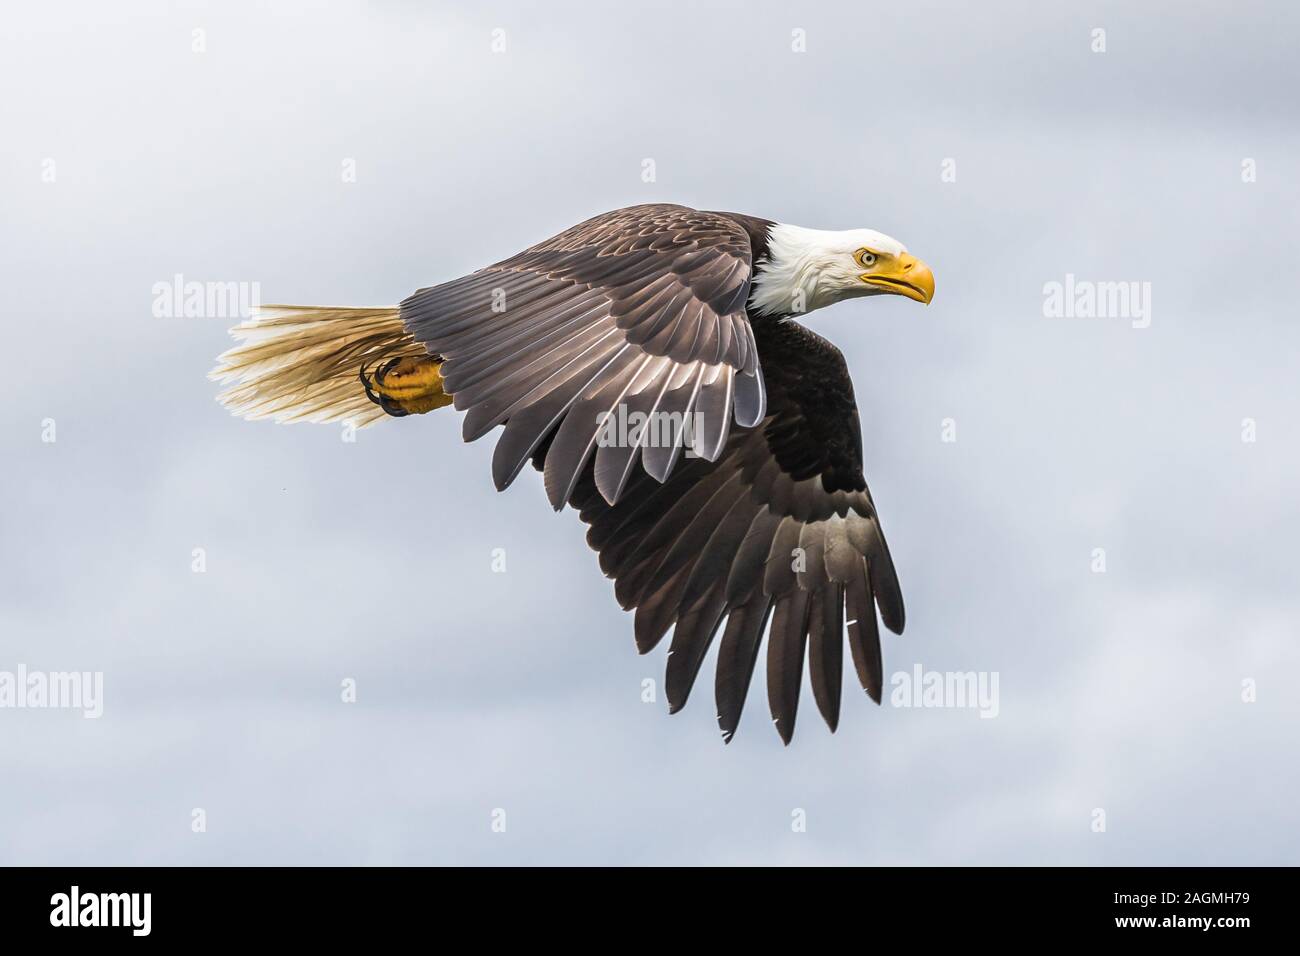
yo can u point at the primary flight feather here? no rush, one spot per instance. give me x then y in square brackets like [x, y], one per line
[648, 363]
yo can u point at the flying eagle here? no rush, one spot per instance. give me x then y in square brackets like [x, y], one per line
[648, 363]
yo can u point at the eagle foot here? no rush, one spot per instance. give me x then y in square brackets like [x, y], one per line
[406, 386]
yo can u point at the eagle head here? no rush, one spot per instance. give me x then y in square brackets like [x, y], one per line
[807, 269]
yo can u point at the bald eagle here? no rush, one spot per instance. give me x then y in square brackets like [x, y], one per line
[648, 363]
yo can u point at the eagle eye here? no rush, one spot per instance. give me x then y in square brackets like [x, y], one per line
[865, 258]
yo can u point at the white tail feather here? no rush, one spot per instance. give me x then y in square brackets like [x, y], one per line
[299, 363]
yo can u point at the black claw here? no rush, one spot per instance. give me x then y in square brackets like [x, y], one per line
[382, 372]
[395, 410]
[383, 401]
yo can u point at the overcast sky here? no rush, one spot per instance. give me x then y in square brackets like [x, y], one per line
[136, 150]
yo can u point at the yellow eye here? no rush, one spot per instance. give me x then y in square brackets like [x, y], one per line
[865, 258]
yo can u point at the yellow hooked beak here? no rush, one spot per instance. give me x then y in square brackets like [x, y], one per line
[904, 275]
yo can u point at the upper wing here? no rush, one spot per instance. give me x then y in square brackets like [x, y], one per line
[642, 308]
[782, 524]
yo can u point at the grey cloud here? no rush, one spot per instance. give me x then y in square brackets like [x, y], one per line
[522, 691]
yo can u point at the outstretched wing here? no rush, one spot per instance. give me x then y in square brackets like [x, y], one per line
[781, 526]
[641, 309]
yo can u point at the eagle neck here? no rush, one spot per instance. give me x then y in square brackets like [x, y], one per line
[788, 281]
